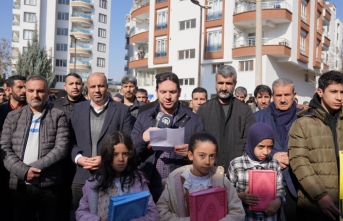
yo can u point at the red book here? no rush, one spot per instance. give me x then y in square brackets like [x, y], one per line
[208, 205]
[262, 183]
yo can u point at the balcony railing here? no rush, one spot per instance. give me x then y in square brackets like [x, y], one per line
[265, 5]
[303, 50]
[87, 1]
[303, 17]
[161, 26]
[140, 55]
[160, 54]
[138, 30]
[16, 6]
[213, 48]
[81, 31]
[140, 5]
[86, 47]
[159, 1]
[214, 15]
[81, 16]
[325, 34]
[15, 24]
[265, 41]
[15, 41]
[80, 62]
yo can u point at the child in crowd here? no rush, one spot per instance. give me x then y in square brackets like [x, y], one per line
[202, 174]
[259, 145]
[118, 174]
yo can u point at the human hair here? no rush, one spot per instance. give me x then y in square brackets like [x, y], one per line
[201, 137]
[199, 90]
[129, 79]
[2, 90]
[39, 78]
[74, 75]
[106, 174]
[283, 82]
[262, 88]
[10, 81]
[328, 78]
[250, 100]
[167, 76]
[241, 90]
[227, 71]
[143, 91]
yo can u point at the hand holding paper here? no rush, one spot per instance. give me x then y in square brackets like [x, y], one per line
[181, 150]
[167, 139]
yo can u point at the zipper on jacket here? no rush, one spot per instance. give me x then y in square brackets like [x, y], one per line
[26, 137]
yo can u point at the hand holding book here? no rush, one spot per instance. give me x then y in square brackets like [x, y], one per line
[249, 199]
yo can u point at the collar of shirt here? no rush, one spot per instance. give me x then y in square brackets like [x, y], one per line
[17, 107]
[249, 163]
[99, 109]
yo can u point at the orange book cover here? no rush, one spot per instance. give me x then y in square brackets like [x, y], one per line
[262, 183]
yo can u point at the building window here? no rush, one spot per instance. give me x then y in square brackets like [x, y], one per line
[28, 34]
[29, 17]
[303, 35]
[187, 24]
[162, 20]
[64, 2]
[60, 78]
[215, 12]
[186, 54]
[303, 11]
[215, 67]
[101, 62]
[61, 63]
[103, 4]
[101, 47]
[61, 47]
[161, 48]
[102, 33]
[30, 2]
[102, 18]
[246, 65]
[62, 16]
[62, 31]
[186, 81]
[214, 41]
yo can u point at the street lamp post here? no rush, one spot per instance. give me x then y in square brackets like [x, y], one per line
[258, 79]
[200, 40]
[72, 36]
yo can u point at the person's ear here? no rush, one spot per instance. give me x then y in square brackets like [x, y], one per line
[320, 92]
[190, 156]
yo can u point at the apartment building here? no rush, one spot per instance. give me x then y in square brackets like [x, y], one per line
[75, 34]
[301, 40]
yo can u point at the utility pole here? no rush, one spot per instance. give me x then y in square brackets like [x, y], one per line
[258, 43]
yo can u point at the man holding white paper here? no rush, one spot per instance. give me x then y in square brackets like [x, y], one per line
[167, 113]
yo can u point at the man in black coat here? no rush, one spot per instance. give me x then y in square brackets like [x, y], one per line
[90, 122]
[226, 117]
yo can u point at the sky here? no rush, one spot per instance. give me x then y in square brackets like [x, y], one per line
[117, 34]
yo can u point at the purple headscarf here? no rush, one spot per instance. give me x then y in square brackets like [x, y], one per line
[257, 132]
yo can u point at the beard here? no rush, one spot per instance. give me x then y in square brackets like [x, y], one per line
[18, 97]
[228, 95]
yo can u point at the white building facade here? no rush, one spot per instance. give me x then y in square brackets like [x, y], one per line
[297, 35]
[61, 23]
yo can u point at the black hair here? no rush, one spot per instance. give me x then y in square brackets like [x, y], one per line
[167, 76]
[106, 174]
[39, 78]
[142, 90]
[201, 137]
[328, 78]
[199, 90]
[10, 81]
[74, 75]
[262, 88]
[2, 90]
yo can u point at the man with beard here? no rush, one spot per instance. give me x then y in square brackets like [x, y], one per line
[263, 96]
[73, 87]
[34, 140]
[226, 117]
[15, 85]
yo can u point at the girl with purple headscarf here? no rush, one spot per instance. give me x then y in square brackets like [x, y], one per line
[257, 157]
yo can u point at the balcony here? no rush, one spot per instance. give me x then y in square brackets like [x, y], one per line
[272, 12]
[213, 47]
[87, 4]
[303, 18]
[140, 9]
[80, 49]
[126, 68]
[213, 16]
[126, 57]
[84, 65]
[81, 18]
[127, 46]
[81, 33]
[161, 26]
[136, 62]
[159, 1]
[160, 54]
[139, 36]
[277, 47]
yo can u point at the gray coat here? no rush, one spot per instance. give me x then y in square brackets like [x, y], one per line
[231, 133]
[53, 145]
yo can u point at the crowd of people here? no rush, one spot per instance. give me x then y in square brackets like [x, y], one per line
[62, 160]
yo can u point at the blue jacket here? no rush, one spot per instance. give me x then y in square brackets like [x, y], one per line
[146, 157]
[265, 116]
